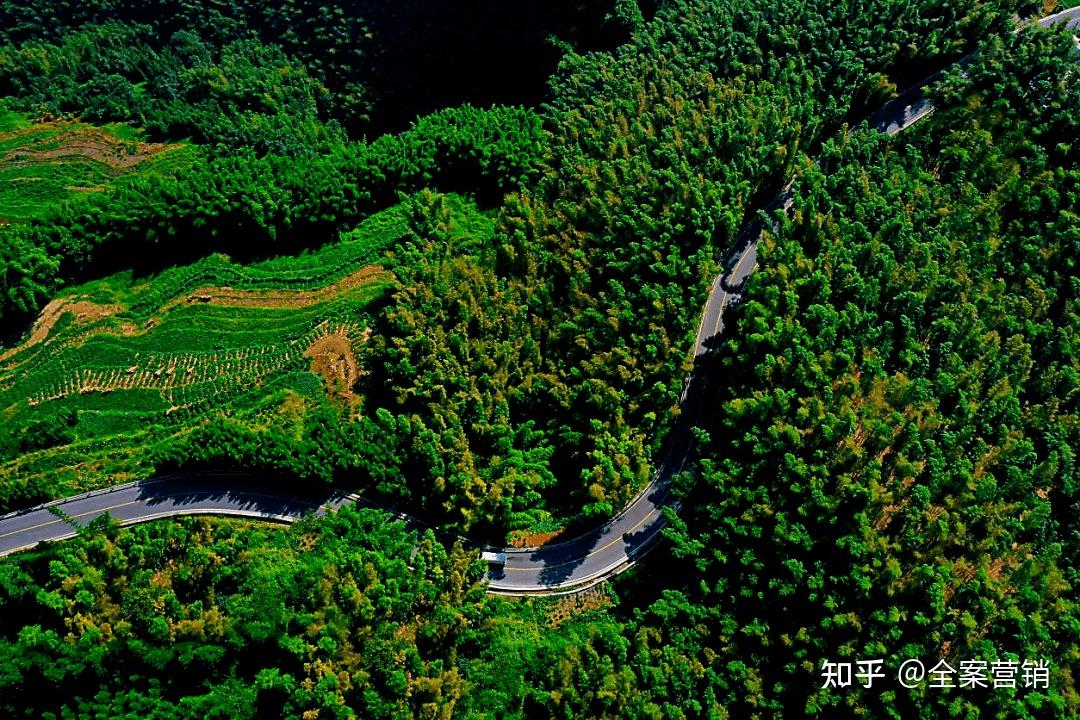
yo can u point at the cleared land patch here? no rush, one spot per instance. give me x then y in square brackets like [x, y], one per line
[45, 163]
[333, 359]
[113, 367]
[81, 311]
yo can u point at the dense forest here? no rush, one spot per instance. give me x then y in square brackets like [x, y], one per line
[884, 468]
[287, 77]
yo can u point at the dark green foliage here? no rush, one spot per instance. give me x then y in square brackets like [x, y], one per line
[255, 206]
[242, 94]
[42, 432]
[659, 152]
[351, 616]
[267, 74]
[890, 473]
[321, 449]
[886, 468]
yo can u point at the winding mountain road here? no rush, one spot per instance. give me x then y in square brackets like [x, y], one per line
[560, 567]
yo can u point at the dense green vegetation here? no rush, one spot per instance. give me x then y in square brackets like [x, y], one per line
[43, 165]
[123, 364]
[253, 206]
[891, 469]
[286, 76]
[658, 153]
[199, 619]
[884, 469]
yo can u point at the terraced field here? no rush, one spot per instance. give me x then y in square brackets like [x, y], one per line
[43, 164]
[118, 364]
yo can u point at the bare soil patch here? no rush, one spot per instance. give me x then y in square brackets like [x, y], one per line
[333, 359]
[231, 297]
[528, 540]
[84, 311]
[81, 142]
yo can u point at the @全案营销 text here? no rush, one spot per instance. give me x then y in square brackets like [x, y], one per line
[912, 673]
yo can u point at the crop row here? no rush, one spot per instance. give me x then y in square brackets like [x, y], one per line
[166, 373]
[185, 381]
[308, 271]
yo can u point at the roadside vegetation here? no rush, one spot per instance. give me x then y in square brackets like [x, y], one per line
[207, 619]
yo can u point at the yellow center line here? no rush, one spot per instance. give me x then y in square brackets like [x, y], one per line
[68, 517]
[723, 303]
[594, 552]
[56, 520]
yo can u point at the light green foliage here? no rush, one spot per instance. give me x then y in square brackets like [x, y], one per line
[212, 619]
[131, 361]
[251, 205]
[43, 165]
[10, 121]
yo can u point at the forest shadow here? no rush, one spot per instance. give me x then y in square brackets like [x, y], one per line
[431, 54]
[242, 494]
[640, 541]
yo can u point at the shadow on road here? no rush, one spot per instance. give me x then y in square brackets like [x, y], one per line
[242, 495]
[561, 560]
[643, 538]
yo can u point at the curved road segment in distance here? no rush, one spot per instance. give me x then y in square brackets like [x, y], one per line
[560, 567]
[913, 105]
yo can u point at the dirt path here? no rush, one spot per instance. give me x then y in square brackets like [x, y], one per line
[73, 141]
[84, 311]
[87, 312]
[230, 297]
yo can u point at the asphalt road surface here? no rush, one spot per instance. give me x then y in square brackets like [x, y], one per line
[570, 565]
[209, 493]
[913, 105]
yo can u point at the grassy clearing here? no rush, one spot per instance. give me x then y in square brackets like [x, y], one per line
[118, 364]
[44, 164]
[10, 121]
